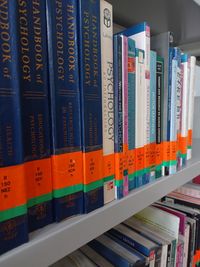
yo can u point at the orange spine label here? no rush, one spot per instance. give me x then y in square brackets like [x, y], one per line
[189, 142]
[159, 153]
[67, 169]
[92, 166]
[178, 141]
[38, 177]
[183, 145]
[147, 149]
[108, 165]
[173, 150]
[139, 158]
[166, 151]
[119, 165]
[152, 158]
[131, 161]
[12, 187]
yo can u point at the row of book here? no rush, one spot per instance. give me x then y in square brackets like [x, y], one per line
[82, 122]
[165, 234]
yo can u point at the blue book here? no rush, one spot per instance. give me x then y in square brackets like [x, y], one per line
[152, 158]
[134, 240]
[33, 68]
[116, 253]
[91, 103]
[65, 108]
[13, 209]
[118, 114]
[131, 113]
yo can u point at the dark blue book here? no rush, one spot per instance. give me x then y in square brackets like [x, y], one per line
[118, 115]
[116, 253]
[131, 238]
[65, 108]
[159, 113]
[33, 69]
[13, 209]
[91, 102]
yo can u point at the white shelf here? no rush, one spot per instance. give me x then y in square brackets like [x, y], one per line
[55, 241]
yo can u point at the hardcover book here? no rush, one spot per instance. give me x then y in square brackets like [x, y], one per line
[67, 169]
[116, 253]
[13, 208]
[159, 114]
[136, 241]
[33, 69]
[153, 97]
[118, 115]
[91, 103]
[162, 44]
[107, 99]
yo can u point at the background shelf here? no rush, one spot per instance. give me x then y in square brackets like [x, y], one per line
[55, 241]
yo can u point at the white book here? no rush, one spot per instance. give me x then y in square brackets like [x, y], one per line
[185, 62]
[191, 105]
[141, 35]
[139, 102]
[106, 18]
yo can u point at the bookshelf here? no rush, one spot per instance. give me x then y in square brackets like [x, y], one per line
[55, 241]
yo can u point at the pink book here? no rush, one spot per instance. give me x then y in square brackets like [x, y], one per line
[196, 180]
[185, 198]
[125, 113]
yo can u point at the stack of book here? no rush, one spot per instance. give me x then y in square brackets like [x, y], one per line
[165, 234]
[85, 117]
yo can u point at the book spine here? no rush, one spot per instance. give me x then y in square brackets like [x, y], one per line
[65, 108]
[35, 111]
[131, 113]
[152, 159]
[186, 245]
[140, 117]
[173, 125]
[13, 208]
[179, 81]
[191, 106]
[119, 160]
[125, 112]
[107, 99]
[179, 258]
[159, 113]
[91, 103]
[184, 110]
[166, 142]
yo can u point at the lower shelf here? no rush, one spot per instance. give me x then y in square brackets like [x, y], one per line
[55, 241]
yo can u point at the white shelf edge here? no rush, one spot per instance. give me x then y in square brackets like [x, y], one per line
[55, 241]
